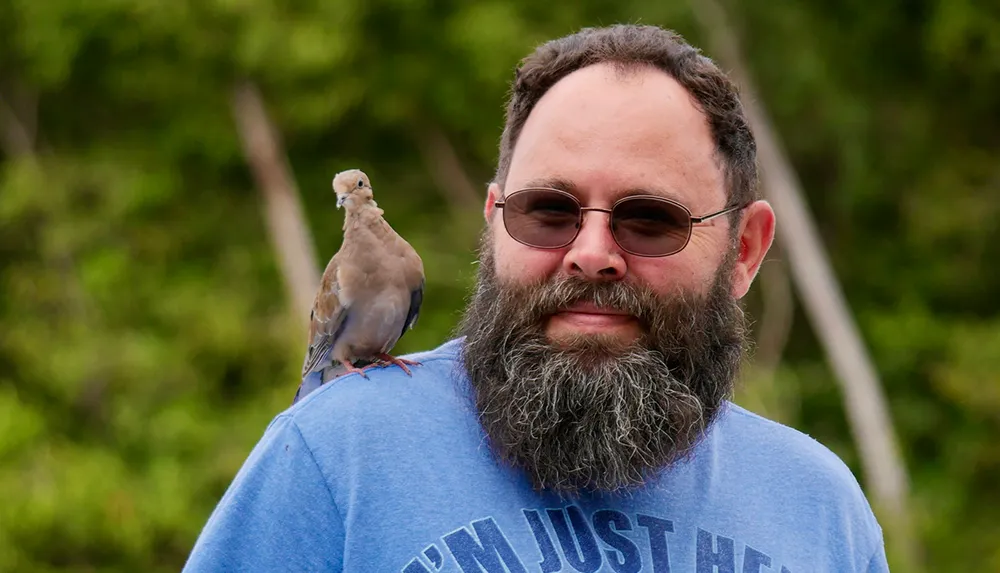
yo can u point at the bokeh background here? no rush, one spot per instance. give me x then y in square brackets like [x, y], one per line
[149, 332]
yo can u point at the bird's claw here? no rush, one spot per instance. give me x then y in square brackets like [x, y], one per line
[401, 362]
[352, 368]
[382, 360]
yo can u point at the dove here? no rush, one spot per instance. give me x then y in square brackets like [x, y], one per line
[370, 293]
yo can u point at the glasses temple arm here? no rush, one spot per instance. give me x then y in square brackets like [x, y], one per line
[702, 219]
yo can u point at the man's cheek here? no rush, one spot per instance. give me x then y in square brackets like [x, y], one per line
[514, 262]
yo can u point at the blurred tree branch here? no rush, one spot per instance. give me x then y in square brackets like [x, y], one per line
[446, 169]
[777, 313]
[286, 221]
[885, 472]
[18, 122]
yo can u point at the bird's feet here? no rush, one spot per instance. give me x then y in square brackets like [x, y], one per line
[352, 368]
[401, 362]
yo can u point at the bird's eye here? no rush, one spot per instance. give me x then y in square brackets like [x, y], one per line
[361, 183]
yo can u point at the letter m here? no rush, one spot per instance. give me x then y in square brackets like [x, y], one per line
[491, 553]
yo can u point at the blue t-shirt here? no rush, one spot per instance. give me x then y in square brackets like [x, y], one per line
[392, 473]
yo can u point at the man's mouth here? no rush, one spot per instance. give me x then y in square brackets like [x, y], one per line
[586, 316]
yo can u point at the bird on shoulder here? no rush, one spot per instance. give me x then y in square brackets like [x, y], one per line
[370, 293]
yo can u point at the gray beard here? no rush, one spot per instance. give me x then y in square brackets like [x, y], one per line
[593, 413]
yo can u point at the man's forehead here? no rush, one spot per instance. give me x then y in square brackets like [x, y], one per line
[597, 130]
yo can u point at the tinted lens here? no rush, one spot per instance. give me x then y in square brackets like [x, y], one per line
[651, 227]
[541, 218]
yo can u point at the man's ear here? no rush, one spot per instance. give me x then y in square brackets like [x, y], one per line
[492, 196]
[755, 238]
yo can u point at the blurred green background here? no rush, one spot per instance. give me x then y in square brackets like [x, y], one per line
[147, 336]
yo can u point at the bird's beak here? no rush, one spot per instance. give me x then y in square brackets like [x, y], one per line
[340, 200]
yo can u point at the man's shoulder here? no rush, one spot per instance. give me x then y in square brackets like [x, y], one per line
[759, 437]
[387, 397]
[777, 468]
[785, 456]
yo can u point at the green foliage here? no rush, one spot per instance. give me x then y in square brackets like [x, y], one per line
[147, 339]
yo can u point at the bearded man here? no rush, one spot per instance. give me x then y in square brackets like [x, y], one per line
[580, 420]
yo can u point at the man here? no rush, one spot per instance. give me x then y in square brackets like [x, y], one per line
[580, 422]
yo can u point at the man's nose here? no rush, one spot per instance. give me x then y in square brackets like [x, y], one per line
[594, 254]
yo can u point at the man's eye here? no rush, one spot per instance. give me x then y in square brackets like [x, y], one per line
[553, 207]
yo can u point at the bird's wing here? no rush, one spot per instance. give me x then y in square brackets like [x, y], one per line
[416, 301]
[412, 268]
[327, 320]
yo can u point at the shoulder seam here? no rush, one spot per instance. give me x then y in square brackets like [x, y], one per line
[319, 470]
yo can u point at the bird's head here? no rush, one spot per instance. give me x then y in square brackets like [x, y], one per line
[352, 188]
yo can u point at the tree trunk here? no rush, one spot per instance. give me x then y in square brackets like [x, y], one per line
[286, 222]
[447, 171]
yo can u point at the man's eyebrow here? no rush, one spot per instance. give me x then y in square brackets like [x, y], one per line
[552, 183]
[570, 187]
[666, 193]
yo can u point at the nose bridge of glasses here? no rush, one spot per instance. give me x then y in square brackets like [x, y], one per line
[583, 211]
[596, 226]
[600, 209]
[595, 250]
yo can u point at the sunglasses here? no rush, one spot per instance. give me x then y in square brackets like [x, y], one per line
[642, 225]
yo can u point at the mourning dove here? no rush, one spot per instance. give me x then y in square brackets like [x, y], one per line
[370, 293]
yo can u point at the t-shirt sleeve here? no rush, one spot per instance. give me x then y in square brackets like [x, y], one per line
[277, 515]
[878, 563]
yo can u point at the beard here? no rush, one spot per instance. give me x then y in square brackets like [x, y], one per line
[594, 412]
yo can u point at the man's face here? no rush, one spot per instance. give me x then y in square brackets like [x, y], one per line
[592, 367]
[608, 136]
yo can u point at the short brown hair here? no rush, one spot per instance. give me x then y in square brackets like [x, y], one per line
[630, 46]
